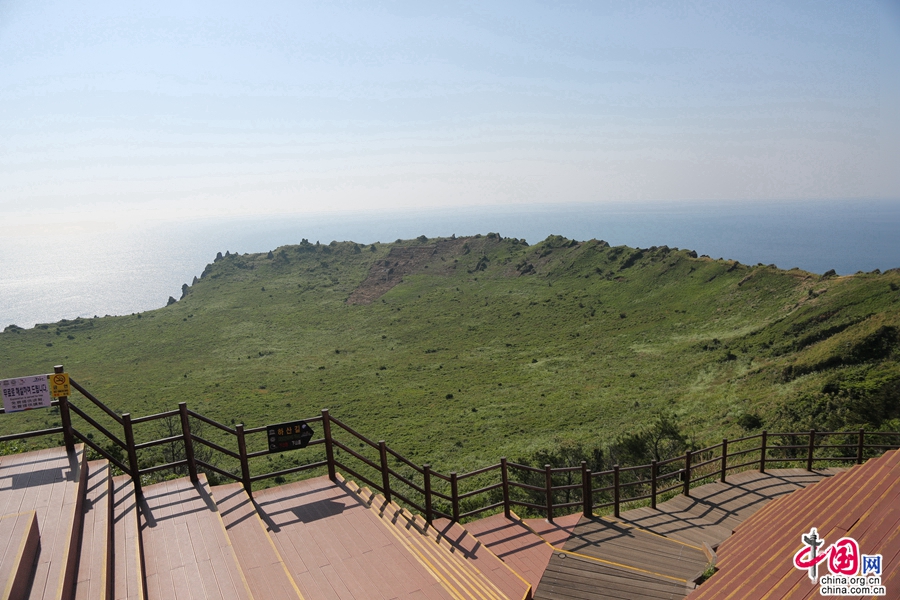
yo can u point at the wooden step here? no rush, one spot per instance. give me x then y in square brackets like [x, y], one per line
[265, 570]
[468, 546]
[128, 570]
[19, 541]
[525, 545]
[50, 482]
[187, 553]
[93, 580]
[336, 548]
[461, 577]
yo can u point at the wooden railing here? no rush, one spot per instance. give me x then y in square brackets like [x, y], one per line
[546, 491]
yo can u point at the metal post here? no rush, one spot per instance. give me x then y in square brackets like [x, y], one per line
[385, 476]
[245, 464]
[687, 474]
[329, 448]
[653, 469]
[812, 445]
[724, 459]
[616, 490]
[454, 496]
[132, 453]
[548, 489]
[587, 492]
[188, 441]
[859, 447]
[65, 417]
[504, 474]
[762, 454]
[429, 511]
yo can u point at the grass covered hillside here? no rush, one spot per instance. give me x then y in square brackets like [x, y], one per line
[460, 350]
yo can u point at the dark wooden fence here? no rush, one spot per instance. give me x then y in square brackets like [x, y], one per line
[545, 491]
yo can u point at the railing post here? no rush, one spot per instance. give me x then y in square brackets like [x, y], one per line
[548, 490]
[762, 454]
[724, 459]
[504, 474]
[385, 475]
[616, 491]
[454, 496]
[132, 453]
[429, 511]
[245, 463]
[812, 445]
[653, 468]
[587, 492]
[329, 448]
[687, 474]
[188, 441]
[65, 417]
[859, 446]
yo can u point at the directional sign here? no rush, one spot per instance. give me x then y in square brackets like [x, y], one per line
[25, 393]
[288, 436]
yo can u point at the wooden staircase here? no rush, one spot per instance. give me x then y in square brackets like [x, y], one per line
[69, 529]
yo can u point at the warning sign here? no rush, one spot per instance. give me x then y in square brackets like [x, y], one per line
[59, 384]
[25, 393]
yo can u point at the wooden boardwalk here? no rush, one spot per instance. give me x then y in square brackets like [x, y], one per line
[714, 510]
[336, 548]
[47, 482]
[862, 503]
[187, 553]
[645, 553]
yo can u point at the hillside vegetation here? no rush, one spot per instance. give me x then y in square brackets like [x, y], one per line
[459, 350]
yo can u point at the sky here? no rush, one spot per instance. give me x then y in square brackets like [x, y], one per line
[185, 110]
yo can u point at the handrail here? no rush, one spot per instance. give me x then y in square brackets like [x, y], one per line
[209, 421]
[148, 418]
[549, 495]
[98, 426]
[96, 402]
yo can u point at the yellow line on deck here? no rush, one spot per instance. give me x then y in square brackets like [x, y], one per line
[639, 528]
[594, 558]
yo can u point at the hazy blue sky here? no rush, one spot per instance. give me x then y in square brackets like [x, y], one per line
[125, 110]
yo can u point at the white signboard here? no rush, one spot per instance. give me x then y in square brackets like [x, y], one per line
[24, 393]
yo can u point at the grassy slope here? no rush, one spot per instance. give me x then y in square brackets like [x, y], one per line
[590, 344]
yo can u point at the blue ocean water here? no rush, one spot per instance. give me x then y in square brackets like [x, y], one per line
[132, 268]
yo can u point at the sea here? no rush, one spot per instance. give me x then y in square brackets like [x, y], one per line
[124, 268]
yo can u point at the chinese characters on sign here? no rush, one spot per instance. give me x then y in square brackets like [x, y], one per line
[288, 436]
[851, 573]
[25, 393]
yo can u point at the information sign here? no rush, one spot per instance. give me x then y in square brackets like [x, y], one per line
[25, 393]
[59, 384]
[288, 436]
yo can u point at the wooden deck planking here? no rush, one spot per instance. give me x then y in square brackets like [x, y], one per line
[265, 570]
[186, 549]
[715, 509]
[571, 578]
[316, 524]
[19, 542]
[860, 503]
[525, 545]
[93, 577]
[49, 482]
[619, 544]
[127, 568]
[482, 558]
